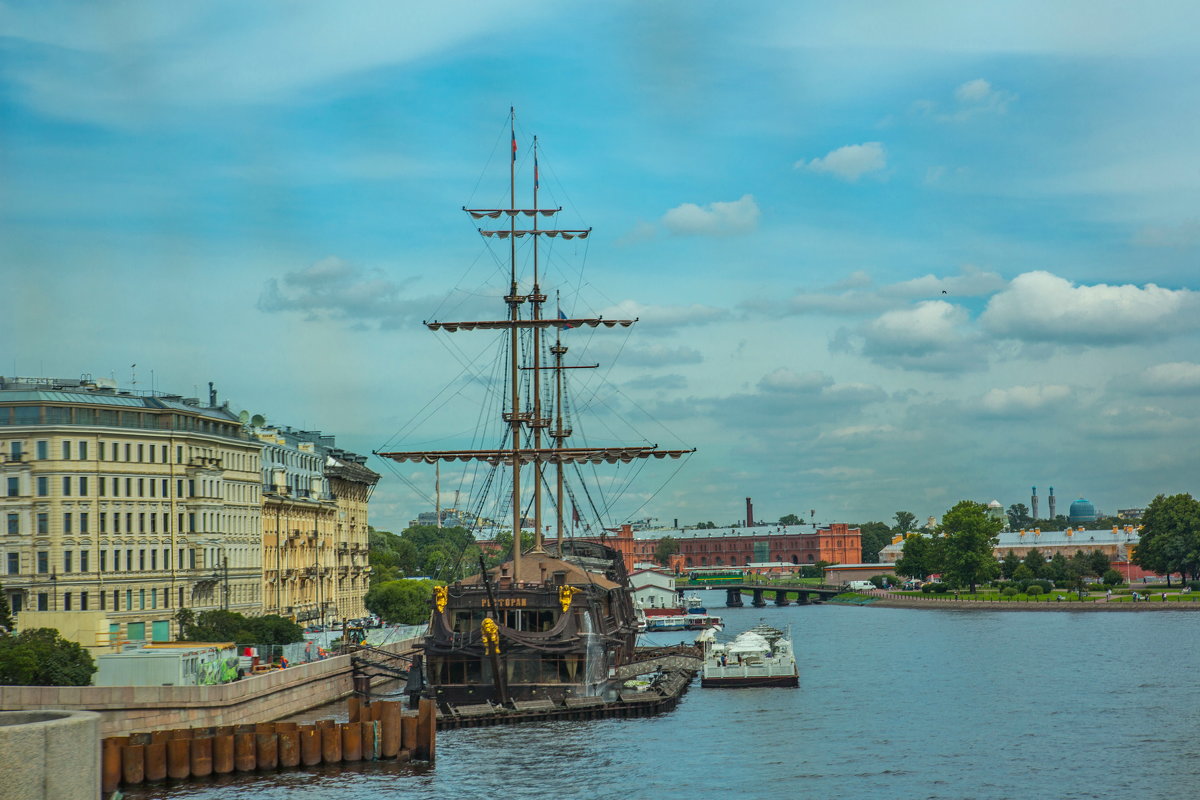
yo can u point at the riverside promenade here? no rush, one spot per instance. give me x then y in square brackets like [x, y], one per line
[965, 602]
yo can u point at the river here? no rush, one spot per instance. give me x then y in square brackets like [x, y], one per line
[892, 703]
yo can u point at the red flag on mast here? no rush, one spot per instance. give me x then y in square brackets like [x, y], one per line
[514, 145]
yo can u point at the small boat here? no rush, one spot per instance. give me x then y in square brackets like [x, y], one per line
[666, 623]
[762, 656]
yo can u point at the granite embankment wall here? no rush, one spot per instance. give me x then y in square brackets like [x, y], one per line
[127, 709]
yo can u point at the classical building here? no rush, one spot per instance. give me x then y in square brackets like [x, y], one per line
[131, 503]
[314, 526]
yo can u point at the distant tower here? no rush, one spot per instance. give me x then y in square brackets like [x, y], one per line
[749, 513]
[1033, 504]
[1052, 502]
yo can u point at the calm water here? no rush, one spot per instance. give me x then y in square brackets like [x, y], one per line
[892, 703]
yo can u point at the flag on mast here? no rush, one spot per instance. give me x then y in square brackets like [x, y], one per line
[514, 145]
[561, 315]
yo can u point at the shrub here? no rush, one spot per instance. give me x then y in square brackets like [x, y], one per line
[927, 588]
[1044, 586]
[1009, 591]
[1193, 585]
[1113, 578]
[1034, 589]
[941, 588]
[880, 581]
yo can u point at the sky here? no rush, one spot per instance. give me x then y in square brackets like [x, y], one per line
[883, 256]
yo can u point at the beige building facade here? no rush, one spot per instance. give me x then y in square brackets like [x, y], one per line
[131, 504]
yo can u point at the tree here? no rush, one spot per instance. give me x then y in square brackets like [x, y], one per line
[1099, 563]
[970, 536]
[875, 537]
[1170, 537]
[1058, 569]
[503, 547]
[920, 557]
[707, 526]
[1018, 516]
[667, 546]
[906, 521]
[6, 620]
[41, 657]
[790, 519]
[1035, 561]
[402, 601]
[229, 626]
[1009, 564]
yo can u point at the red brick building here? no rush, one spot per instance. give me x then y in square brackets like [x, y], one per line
[737, 547]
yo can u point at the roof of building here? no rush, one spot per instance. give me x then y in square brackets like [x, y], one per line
[1078, 537]
[758, 531]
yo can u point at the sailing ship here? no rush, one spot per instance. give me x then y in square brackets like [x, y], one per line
[555, 621]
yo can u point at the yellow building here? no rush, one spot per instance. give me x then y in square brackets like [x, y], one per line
[314, 526]
[134, 504]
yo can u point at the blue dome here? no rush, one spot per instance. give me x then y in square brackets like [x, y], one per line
[1082, 511]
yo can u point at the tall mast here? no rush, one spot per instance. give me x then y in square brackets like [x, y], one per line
[537, 423]
[559, 434]
[514, 303]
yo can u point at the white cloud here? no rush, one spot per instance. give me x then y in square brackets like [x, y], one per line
[1023, 400]
[1178, 377]
[1042, 307]
[856, 294]
[786, 380]
[972, 98]
[715, 219]
[664, 316]
[932, 336]
[850, 162]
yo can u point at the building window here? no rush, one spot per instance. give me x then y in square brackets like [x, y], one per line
[141, 487]
[43, 601]
[102, 486]
[83, 601]
[141, 454]
[128, 451]
[103, 600]
[67, 522]
[14, 564]
[100, 447]
[66, 561]
[14, 487]
[116, 523]
[103, 563]
[43, 562]
[129, 561]
[142, 522]
[117, 600]
[129, 599]
[14, 524]
[43, 486]
[66, 484]
[83, 560]
[83, 522]
[142, 599]
[153, 559]
[43, 523]
[66, 601]
[83, 487]
[43, 450]
[83, 451]
[142, 560]
[66, 451]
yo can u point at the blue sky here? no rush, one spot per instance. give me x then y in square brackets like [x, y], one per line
[885, 256]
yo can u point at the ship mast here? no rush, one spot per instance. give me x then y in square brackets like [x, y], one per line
[514, 306]
[537, 453]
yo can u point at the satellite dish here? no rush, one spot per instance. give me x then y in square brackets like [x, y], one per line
[244, 417]
[258, 420]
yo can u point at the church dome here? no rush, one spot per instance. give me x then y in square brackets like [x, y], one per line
[1082, 511]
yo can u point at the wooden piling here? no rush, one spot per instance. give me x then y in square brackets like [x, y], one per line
[310, 745]
[389, 745]
[223, 753]
[179, 758]
[352, 741]
[266, 746]
[156, 762]
[289, 747]
[133, 764]
[110, 760]
[245, 759]
[202, 756]
[408, 736]
[370, 740]
[331, 744]
[426, 730]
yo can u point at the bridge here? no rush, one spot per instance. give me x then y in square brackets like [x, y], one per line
[804, 594]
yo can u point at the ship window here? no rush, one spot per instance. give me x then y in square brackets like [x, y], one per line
[466, 621]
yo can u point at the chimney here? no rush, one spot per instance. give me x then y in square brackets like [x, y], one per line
[1052, 515]
[749, 513]
[1033, 504]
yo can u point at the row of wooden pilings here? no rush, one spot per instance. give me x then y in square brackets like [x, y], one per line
[379, 730]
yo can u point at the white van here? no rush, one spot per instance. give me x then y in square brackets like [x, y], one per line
[861, 586]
